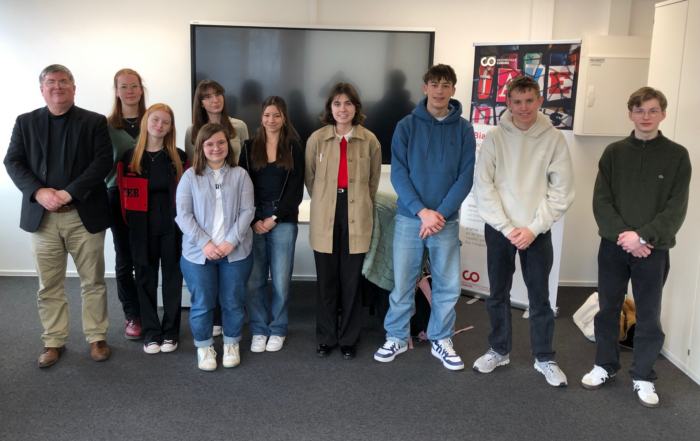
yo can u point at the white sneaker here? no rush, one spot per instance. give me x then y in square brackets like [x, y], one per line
[168, 346]
[646, 393]
[258, 344]
[232, 355]
[443, 350]
[151, 348]
[551, 372]
[217, 331]
[206, 358]
[275, 343]
[490, 361]
[595, 378]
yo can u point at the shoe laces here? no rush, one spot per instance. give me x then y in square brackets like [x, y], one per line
[390, 345]
[209, 353]
[152, 344]
[169, 342]
[491, 353]
[229, 349]
[258, 338]
[446, 346]
[645, 386]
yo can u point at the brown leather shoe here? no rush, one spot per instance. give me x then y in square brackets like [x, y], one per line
[99, 350]
[49, 356]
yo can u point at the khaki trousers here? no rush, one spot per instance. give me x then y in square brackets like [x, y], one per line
[58, 235]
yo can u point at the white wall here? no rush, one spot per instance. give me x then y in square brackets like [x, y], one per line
[95, 39]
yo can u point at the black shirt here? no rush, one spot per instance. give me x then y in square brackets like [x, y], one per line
[158, 178]
[268, 182]
[135, 130]
[58, 156]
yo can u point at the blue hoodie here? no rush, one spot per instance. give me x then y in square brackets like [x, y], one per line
[432, 162]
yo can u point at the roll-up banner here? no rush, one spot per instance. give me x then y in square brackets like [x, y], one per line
[554, 65]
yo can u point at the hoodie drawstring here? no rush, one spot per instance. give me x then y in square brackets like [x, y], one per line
[430, 133]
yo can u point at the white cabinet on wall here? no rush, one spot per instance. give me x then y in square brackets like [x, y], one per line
[673, 69]
[611, 68]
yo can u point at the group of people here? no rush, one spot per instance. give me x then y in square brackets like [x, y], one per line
[223, 214]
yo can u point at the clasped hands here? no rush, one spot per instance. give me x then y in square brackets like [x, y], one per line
[52, 199]
[212, 252]
[264, 226]
[521, 238]
[629, 241]
[432, 222]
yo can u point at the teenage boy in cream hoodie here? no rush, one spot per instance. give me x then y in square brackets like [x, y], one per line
[524, 182]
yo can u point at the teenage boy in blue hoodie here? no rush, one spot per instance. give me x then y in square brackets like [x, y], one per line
[432, 168]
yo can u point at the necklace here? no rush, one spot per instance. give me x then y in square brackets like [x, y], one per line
[153, 158]
[131, 121]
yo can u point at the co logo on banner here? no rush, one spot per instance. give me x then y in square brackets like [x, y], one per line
[473, 277]
[488, 61]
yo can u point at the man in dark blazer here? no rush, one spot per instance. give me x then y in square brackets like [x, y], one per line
[58, 157]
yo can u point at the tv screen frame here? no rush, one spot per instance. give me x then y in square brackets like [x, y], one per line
[428, 32]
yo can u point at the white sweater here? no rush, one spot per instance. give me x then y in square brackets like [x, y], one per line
[523, 179]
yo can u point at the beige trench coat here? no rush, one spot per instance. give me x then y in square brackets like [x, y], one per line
[364, 168]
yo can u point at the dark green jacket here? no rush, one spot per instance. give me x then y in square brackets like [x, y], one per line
[642, 186]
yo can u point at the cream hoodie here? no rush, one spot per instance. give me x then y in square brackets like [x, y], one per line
[523, 179]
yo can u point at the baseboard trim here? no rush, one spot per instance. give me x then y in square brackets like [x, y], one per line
[578, 283]
[680, 365]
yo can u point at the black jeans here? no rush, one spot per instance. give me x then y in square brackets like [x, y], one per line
[536, 263]
[615, 268]
[164, 248]
[338, 284]
[124, 268]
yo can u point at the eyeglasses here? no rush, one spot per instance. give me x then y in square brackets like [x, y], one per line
[61, 84]
[652, 112]
[210, 96]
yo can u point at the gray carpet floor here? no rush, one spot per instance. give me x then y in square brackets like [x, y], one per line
[293, 395]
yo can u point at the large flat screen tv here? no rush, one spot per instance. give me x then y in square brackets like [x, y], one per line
[301, 64]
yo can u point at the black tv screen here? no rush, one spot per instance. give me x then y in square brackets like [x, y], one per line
[302, 64]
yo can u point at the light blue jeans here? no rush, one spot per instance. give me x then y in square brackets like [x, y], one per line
[273, 254]
[443, 249]
[216, 278]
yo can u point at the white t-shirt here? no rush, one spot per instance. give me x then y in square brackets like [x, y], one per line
[218, 234]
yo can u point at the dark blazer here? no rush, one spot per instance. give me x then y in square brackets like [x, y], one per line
[91, 156]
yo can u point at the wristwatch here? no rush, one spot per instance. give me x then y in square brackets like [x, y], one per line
[642, 241]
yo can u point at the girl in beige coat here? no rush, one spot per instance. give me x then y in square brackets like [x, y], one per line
[343, 164]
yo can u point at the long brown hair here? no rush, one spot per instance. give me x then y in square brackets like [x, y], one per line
[168, 142]
[288, 134]
[199, 162]
[199, 113]
[337, 90]
[116, 118]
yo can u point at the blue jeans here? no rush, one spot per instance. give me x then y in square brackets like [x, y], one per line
[443, 249]
[274, 256]
[217, 278]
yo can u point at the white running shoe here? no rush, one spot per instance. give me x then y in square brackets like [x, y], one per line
[551, 372]
[206, 358]
[490, 361]
[595, 378]
[646, 393]
[275, 343]
[232, 355]
[258, 343]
